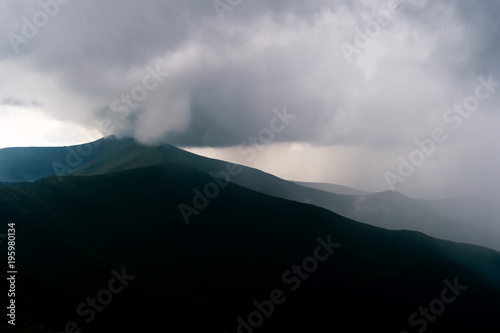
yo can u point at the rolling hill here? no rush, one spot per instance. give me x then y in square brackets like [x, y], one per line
[389, 210]
[333, 188]
[242, 250]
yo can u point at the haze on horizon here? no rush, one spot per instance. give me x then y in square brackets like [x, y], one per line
[210, 77]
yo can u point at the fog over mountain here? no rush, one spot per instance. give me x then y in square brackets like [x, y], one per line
[250, 165]
[363, 80]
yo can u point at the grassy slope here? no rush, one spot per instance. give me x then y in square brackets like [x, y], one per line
[202, 276]
[32, 163]
[387, 210]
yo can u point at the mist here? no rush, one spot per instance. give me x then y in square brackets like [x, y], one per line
[364, 81]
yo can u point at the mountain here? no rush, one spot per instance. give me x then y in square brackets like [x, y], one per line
[333, 188]
[29, 163]
[389, 209]
[80, 238]
[480, 211]
[393, 210]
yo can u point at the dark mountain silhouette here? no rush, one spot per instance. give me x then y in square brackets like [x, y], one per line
[390, 210]
[333, 188]
[237, 250]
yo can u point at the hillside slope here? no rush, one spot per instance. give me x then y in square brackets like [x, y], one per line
[237, 250]
[388, 209]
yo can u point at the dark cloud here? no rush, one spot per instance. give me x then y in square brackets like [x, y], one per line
[226, 76]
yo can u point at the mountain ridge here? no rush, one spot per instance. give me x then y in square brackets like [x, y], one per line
[233, 252]
[383, 210]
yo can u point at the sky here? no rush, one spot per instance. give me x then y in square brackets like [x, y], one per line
[376, 95]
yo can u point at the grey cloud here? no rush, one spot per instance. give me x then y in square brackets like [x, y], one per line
[18, 102]
[226, 77]
[92, 46]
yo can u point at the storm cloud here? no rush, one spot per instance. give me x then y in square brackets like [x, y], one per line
[365, 78]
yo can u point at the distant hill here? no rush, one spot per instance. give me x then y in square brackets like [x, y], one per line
[390, 210]
[236, 250]
[479, 211]
[333, 188]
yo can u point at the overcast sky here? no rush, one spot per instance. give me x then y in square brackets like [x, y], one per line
[355, 84]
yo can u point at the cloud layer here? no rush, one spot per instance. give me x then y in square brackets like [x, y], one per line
[369, 76]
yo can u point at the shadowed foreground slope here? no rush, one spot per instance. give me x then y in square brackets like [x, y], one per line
[241, 247]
